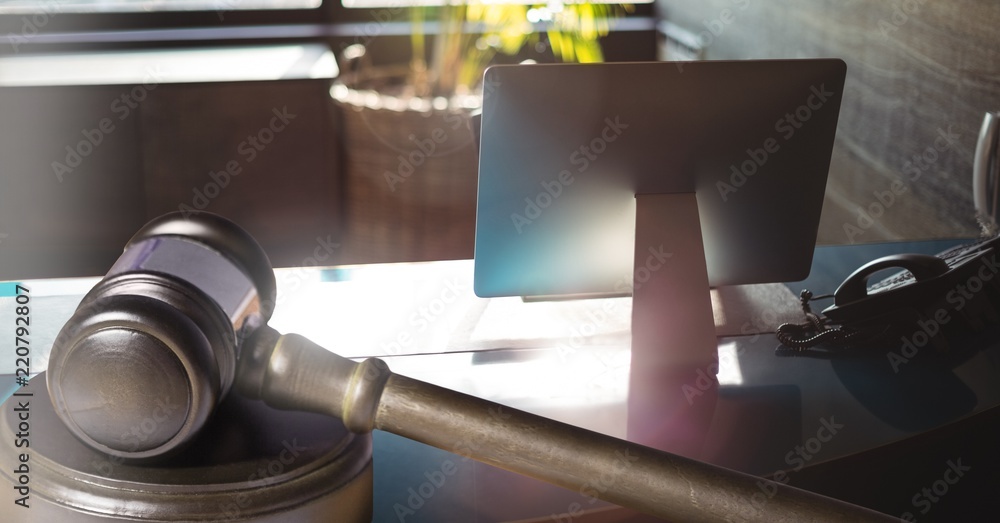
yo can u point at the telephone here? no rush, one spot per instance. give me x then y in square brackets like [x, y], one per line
[957, 290]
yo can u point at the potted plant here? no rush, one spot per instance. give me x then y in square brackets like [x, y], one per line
[411, 164]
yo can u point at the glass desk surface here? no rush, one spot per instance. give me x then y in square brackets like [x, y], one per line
[569, 360]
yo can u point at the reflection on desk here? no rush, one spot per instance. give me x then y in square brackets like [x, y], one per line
[775, 416]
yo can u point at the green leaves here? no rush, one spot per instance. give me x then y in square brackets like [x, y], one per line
[473, 34]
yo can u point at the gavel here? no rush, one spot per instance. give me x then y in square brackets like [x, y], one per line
[181, 320]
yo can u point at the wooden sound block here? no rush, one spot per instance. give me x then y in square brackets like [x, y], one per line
[252, 463]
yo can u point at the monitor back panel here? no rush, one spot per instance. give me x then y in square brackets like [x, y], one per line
[565, 148]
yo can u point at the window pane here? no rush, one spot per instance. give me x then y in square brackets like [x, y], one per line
[409, 3]
[139, 6]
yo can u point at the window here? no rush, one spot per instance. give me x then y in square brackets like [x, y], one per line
[399, 3]
[146, 6]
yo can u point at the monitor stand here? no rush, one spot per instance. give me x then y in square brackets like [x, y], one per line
[672, 385]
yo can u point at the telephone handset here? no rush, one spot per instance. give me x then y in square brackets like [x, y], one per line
[959, 284]
[958, 289]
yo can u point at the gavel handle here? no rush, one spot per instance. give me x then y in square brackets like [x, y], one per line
[291, 372]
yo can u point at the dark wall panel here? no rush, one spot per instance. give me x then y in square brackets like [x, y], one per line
[261, 153]
[137, 152]
[70, 180]
[917, 72]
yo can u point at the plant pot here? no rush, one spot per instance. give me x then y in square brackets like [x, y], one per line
[411, 168]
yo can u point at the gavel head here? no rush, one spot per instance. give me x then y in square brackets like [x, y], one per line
[152, 348]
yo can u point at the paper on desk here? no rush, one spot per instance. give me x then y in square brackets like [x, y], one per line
[398, 309]
[512, 323]
[738, 310]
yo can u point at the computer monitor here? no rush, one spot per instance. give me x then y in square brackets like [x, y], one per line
[657, 180]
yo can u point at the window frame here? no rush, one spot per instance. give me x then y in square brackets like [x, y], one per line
[330, 23]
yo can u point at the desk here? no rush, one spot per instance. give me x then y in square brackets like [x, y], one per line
[569, 361]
